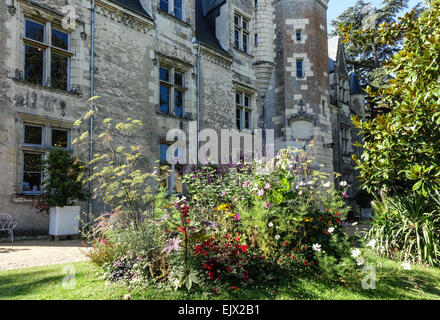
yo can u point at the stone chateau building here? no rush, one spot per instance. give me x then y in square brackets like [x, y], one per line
[243, 64]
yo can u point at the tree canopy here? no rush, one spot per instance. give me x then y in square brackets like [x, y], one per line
[402, 150]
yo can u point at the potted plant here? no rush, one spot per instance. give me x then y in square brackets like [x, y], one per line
[63, 187]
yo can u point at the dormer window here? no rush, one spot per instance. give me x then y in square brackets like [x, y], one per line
[241, 32]
[174, 7]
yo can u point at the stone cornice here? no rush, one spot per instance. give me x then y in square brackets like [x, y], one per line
[126, 17]
[215, 57]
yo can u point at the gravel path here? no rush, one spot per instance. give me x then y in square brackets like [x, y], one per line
[24, 254]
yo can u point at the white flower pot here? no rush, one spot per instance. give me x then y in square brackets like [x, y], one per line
[64, 221]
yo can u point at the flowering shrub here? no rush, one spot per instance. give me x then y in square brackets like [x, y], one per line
[282, 219]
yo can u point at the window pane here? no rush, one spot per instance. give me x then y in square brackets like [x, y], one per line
[59, 71]
[238, 118]
[60, 39]
[298, 35]
[247, 101]
[32, 162]
[245, 25]
[245, 42]
[237, 39]
[247, 120]
[164, 5]
[60, 138]
[178, 9]
[164, 74]
[31, 182]
[34, 64]
[256, 40]
[178, 103]
[164, 99]
[238, 98]
[34, 31]
[33, 135]
[178, 79]
[299, 68]
[237, 20]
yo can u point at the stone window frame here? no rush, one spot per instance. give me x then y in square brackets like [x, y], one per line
[298, 35]
[244, 108]
[174, 65]
[173, 88]
[345, 139]
[48, 124]
[298, 75]
[52, 23]
[242, 31]
[171, 9]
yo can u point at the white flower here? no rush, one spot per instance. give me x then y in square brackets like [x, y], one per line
[327, 185]
[360, 261]
[343, 183]
[354, 223]
[331, 229]
[371, 243]
[379, 265]
[406, 265]
[270, 224]
[382, 249]
[310, 182]
[277, 237]
[355, 253]
[316, 247]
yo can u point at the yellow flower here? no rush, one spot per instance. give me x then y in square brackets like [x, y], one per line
[222, 207]
[308, 220]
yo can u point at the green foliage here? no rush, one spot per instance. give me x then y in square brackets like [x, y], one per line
[401, 148]
[180, 277]
[117, 176]
[64, 181]
[407, 227]
[360, 25]
[266, 216]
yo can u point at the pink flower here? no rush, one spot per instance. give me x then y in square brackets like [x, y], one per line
[267, 205]
[260, 193]
[245, 184]
[223, 193]
[267, 186]
[237, 217]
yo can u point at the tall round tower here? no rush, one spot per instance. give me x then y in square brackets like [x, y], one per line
[264, 51]
[300, 112]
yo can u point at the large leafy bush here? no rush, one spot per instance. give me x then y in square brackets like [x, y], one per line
[407, 227]
[401, 147]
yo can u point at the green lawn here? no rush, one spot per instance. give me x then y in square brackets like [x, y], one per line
[46, 283]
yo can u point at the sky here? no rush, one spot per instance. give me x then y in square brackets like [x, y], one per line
[336, 7]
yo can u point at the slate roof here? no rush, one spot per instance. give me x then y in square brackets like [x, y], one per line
[204, 32]
[133, 5]
[355, 87]
[331, 65]
[209, 5]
